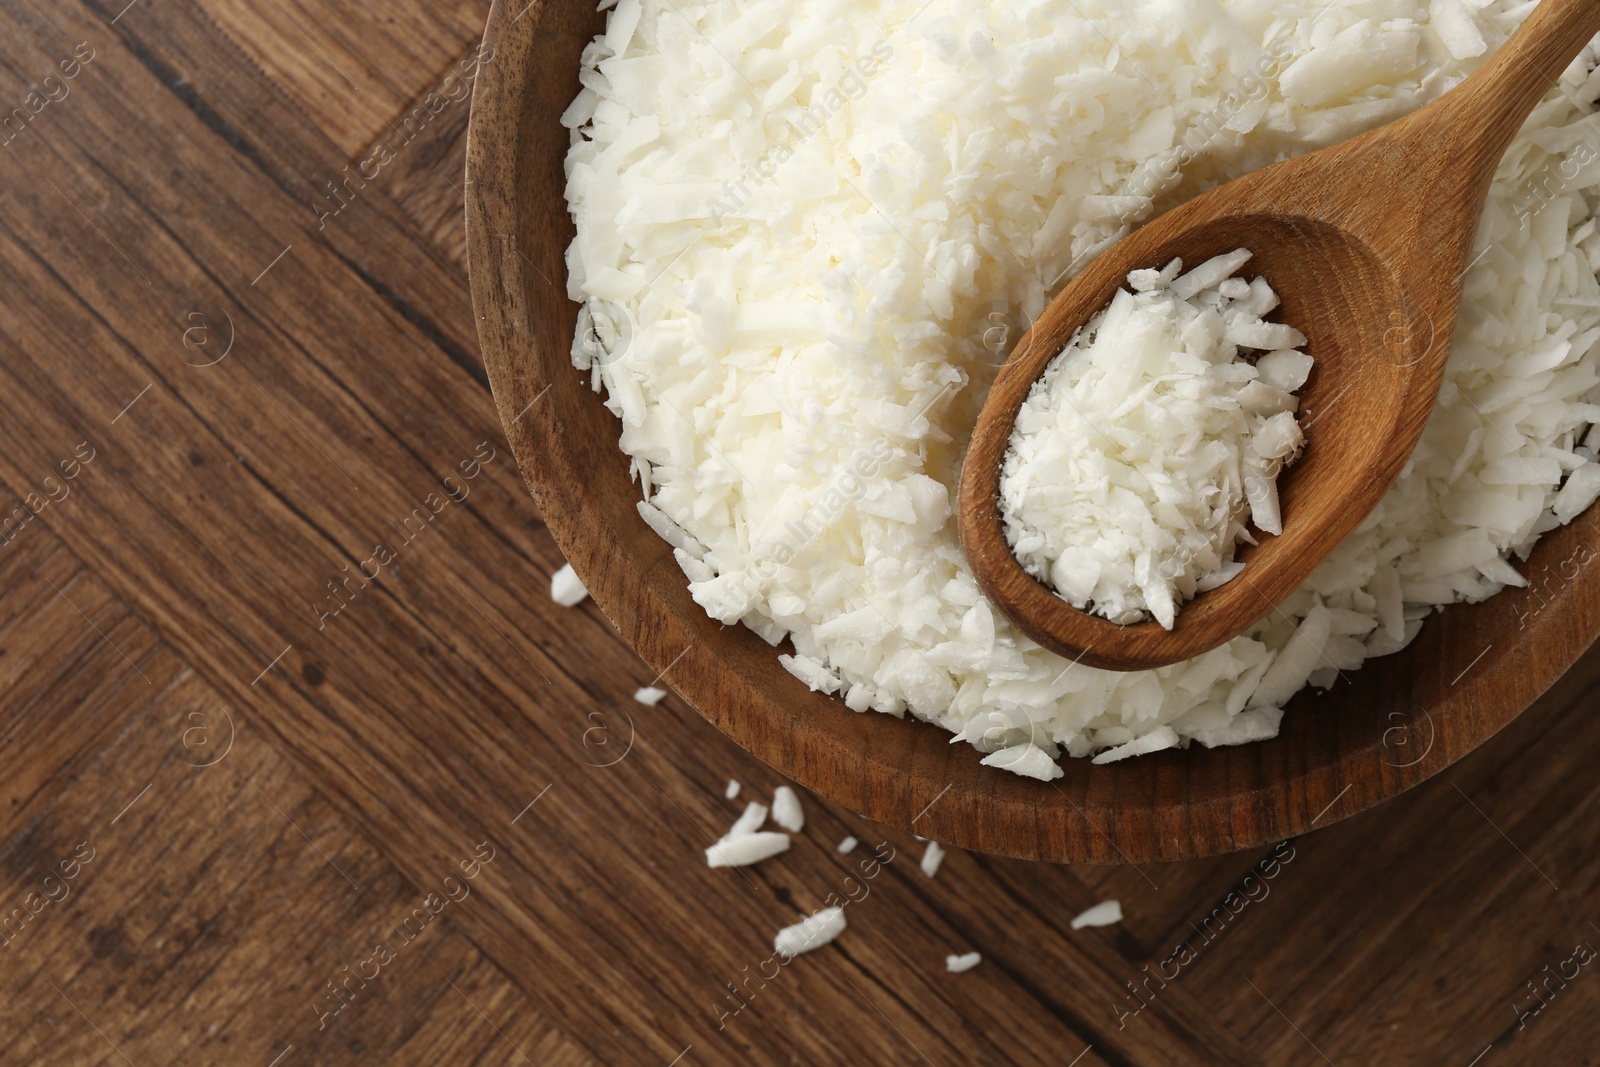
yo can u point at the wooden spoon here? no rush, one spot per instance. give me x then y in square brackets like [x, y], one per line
[1366, 242]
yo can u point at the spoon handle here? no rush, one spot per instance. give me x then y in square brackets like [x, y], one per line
[1500, 96]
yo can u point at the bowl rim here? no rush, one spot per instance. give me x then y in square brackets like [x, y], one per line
[1457, 685]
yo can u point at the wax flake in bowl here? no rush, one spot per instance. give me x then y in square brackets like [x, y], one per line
[806, 235]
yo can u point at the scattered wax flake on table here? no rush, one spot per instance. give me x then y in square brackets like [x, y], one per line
[958, 964]
[1105, 913]
[565, 588]
[746, 849]
[750, 820]
[649, 695]
[848, 845]
[786, 810]
[932, 856]
[812, 932]
[745, 842]
[732, 791]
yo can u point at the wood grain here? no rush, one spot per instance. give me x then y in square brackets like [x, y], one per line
[446, 695]
[178, 811]
[353, 70]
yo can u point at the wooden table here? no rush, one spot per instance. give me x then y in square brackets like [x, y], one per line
[280, 670]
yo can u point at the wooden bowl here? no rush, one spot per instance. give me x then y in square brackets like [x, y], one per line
[1398, 720]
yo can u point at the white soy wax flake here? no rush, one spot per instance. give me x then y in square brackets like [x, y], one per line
[1147, 446]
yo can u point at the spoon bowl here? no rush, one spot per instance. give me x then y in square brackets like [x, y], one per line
[1371, 345]
[1365, 243]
